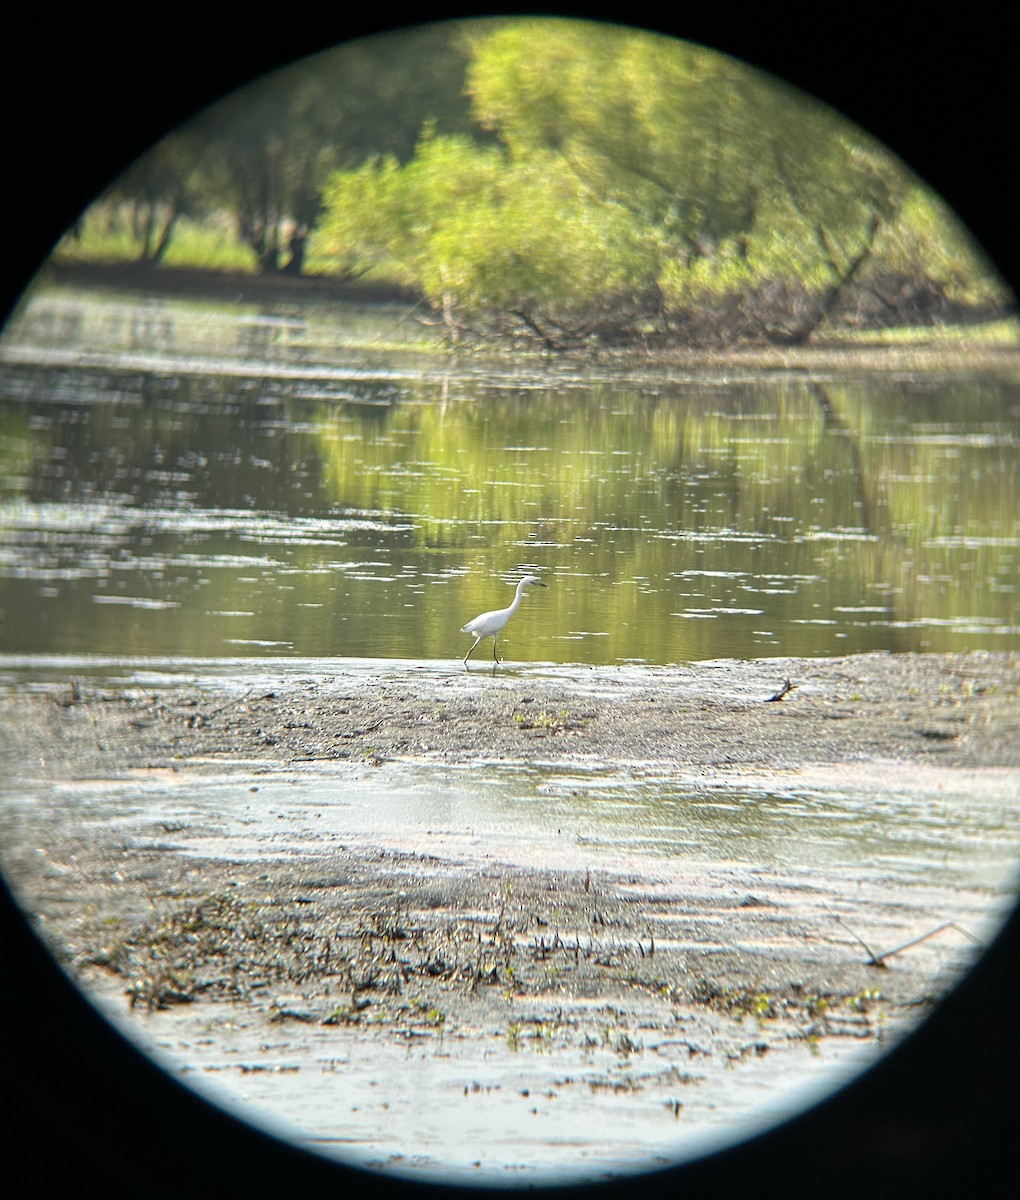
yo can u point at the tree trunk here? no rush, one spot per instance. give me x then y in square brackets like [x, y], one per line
[448, 320]
[155, 255]
[831, 295]
[143, 231]
[297, 245]
[259, 232]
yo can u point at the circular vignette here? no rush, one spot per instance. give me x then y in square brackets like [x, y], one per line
[89, 1105]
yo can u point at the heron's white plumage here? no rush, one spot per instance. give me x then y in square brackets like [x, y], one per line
[490, 624]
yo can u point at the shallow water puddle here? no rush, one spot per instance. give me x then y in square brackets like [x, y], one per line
[914, 825]
[922, 841]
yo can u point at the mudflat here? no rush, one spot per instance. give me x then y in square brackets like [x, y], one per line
[648, 976]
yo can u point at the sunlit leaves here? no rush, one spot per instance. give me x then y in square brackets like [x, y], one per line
[635, 180]
[480, 230]
[571, 179]
[924, 230]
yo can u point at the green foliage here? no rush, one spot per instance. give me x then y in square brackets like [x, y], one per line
[562, 177]
[398, 215]
[687, 284]
[633, 117]
[481, 232]
[538, 243]
[925, 231]
[635, 179]
[733, 179]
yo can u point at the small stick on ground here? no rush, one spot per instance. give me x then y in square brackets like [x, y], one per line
[878, 960]
[872, 960]
[230, 703]
[787, 687]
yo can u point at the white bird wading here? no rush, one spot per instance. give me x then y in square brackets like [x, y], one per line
[490, 624]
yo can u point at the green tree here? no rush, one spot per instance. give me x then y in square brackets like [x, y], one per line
[271, 147]
[275, 143]
[925, 266]
[487, 238]
[644, 122]
[640, 184]
[737, 181]
[158, 189]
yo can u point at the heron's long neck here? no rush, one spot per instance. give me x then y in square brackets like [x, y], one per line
[517, 598]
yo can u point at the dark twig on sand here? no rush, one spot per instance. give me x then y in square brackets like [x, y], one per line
[787, 687]
[878, 960]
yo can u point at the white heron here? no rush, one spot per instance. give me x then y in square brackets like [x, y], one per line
[490, 624]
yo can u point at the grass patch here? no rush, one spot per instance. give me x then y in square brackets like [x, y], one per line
[1003, 331]
[205, 245]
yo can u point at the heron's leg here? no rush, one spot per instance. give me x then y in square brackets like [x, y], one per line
[468, 655]
[494, 654]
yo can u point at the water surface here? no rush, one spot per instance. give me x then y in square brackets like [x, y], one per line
[198, 480]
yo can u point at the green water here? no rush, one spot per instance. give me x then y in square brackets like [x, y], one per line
[191, 480]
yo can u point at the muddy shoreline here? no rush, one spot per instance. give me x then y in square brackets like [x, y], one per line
[663, 978]
[848, 349]
[957, 709]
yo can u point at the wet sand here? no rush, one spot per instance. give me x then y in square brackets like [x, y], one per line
[544, 990]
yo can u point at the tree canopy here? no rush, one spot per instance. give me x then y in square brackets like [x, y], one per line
[567, 180]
